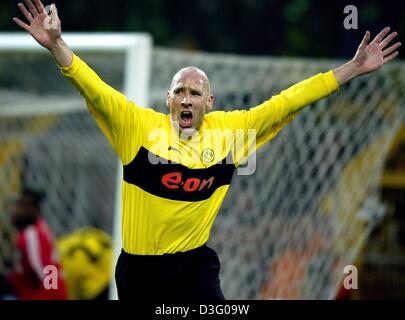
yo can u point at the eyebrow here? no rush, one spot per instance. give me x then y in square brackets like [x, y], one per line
[181, 87]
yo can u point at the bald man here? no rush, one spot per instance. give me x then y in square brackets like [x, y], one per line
[189, 98]
[178, 167]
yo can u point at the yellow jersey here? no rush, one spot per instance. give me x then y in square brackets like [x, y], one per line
[173, 186]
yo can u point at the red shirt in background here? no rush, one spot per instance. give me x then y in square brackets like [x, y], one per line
[35, 243]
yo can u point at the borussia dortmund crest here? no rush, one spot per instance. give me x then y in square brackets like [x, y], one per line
[207, 155]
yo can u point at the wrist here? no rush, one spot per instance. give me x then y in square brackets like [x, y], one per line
[61, 53]
[353, 68]
[58, 44]
[347, 72]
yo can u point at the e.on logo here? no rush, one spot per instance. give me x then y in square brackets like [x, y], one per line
[173, 180]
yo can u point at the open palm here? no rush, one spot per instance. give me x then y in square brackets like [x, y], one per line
[371, 56]
[45, 29]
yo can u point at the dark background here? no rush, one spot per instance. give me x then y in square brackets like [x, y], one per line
[309, 28]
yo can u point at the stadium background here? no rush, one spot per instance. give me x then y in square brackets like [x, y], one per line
[303, 29]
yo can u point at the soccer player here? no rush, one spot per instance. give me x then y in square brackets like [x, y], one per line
[176, 171]
[37, 252]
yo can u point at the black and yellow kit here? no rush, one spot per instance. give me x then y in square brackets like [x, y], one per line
[172, 187]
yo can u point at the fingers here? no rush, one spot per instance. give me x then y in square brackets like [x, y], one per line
[381, 35]
[388, 39]
[365, 40]
[39, 6]
[391, 49]
[391, 57]
[31, 8]
[21, 24]
[25, 12]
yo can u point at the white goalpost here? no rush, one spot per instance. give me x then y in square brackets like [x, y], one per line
[134, 52]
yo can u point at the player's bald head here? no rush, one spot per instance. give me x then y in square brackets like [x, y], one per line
[192, 71]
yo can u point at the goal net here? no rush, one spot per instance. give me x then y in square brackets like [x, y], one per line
[285, 232]
[289, 230]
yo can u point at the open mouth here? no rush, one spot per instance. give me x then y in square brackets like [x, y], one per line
[186, 119]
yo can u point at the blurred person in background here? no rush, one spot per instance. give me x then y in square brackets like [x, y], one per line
[37, 255]
[167, 218]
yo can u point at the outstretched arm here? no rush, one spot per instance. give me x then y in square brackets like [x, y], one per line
[369, 56]
[110, 108]
[45, 29]
[271, 116]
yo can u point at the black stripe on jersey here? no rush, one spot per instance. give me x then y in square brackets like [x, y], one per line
[175, 181]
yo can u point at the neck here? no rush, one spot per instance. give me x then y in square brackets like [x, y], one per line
[23, 223]
[183, 134]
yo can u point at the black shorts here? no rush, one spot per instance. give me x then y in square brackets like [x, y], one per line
[183, 276]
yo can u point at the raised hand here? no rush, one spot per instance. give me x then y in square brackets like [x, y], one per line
[45, 29]
[371, 56]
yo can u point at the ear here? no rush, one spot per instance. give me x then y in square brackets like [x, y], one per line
[210, 103]
[168, 99]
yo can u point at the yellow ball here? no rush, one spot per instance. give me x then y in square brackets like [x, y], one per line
[86, 259]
